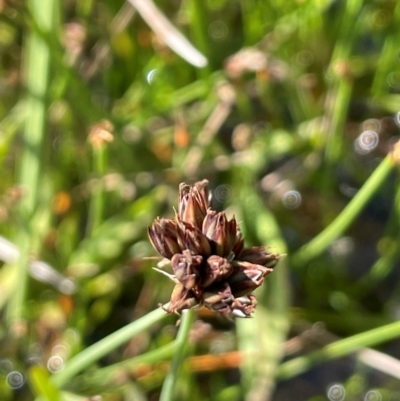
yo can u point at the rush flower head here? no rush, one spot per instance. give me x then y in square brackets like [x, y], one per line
[211, 267]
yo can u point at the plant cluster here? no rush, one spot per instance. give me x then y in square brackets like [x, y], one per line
[207, 254]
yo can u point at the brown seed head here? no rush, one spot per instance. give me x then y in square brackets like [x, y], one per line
[210, 264]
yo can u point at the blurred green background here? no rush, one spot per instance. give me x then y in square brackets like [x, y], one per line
[288, 108]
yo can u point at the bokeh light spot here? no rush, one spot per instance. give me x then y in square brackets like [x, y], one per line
[55, 363]
[15, 379]
[218, 30]
[336, 392]
[366, 142]
[291, 199]
[223, 193]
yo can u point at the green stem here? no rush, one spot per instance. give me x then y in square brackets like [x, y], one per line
[379, 270]
[96, 351]
[10, 125]
[199, 25]
[339, 115]
[388, 58]
[322, 241]
[97, 199]
[160, 354]
[262, 339]
[105, 377]
[36, 78]
[342, 85]
[339, 349]
[167, 392]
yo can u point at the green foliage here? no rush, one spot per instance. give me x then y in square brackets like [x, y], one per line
[292, 120]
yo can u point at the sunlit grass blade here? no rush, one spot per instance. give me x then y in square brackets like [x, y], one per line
[41, 385]
[96, 351]
[9, 126]
[36, 77]
[262, 338]
[339, 97]
[104, 377]
[99, 136]
[339, 349]
[387, 59]
[167, 392]
[324, 239]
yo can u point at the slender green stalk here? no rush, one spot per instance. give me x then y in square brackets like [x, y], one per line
[262, 339]
[388, 58]
[96, 351]
[199, 24]
[36, 78]
[36, 73]
[257, 18]
[389, 251]
[342, 86]
[379, 270]
[10, 125]
[322, 241]
[167, 392]
[154, 356]
[339, 349]
[339, 114]
[97, 199]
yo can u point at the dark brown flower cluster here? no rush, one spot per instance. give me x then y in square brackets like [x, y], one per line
[207, 254]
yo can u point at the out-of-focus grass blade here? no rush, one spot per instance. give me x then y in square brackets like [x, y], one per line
[388, 59]
[36, 78]
[101, 348]
[110, 237]
[338, 98]
[10, 125]
[322, 241]
[66, 396]
[105, 377]
[339, 349]
[182, 343]
[168, 33]
[262, 338]
[42, 386]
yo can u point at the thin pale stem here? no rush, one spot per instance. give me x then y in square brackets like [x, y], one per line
[96, 351]
[339, 349]
[104, 376]
[97, 199]
[36, 77]
[322, 241]
[167, 392]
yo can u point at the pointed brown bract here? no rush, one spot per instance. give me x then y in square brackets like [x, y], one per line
[163, 236]
[219, 298]
[210, 263]
[216, 269]
[193, 203]
[239, 243]
[259, 255]
[220, 232]
[244, 306]
[187, 268]
[181, 298]
[190, 237]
